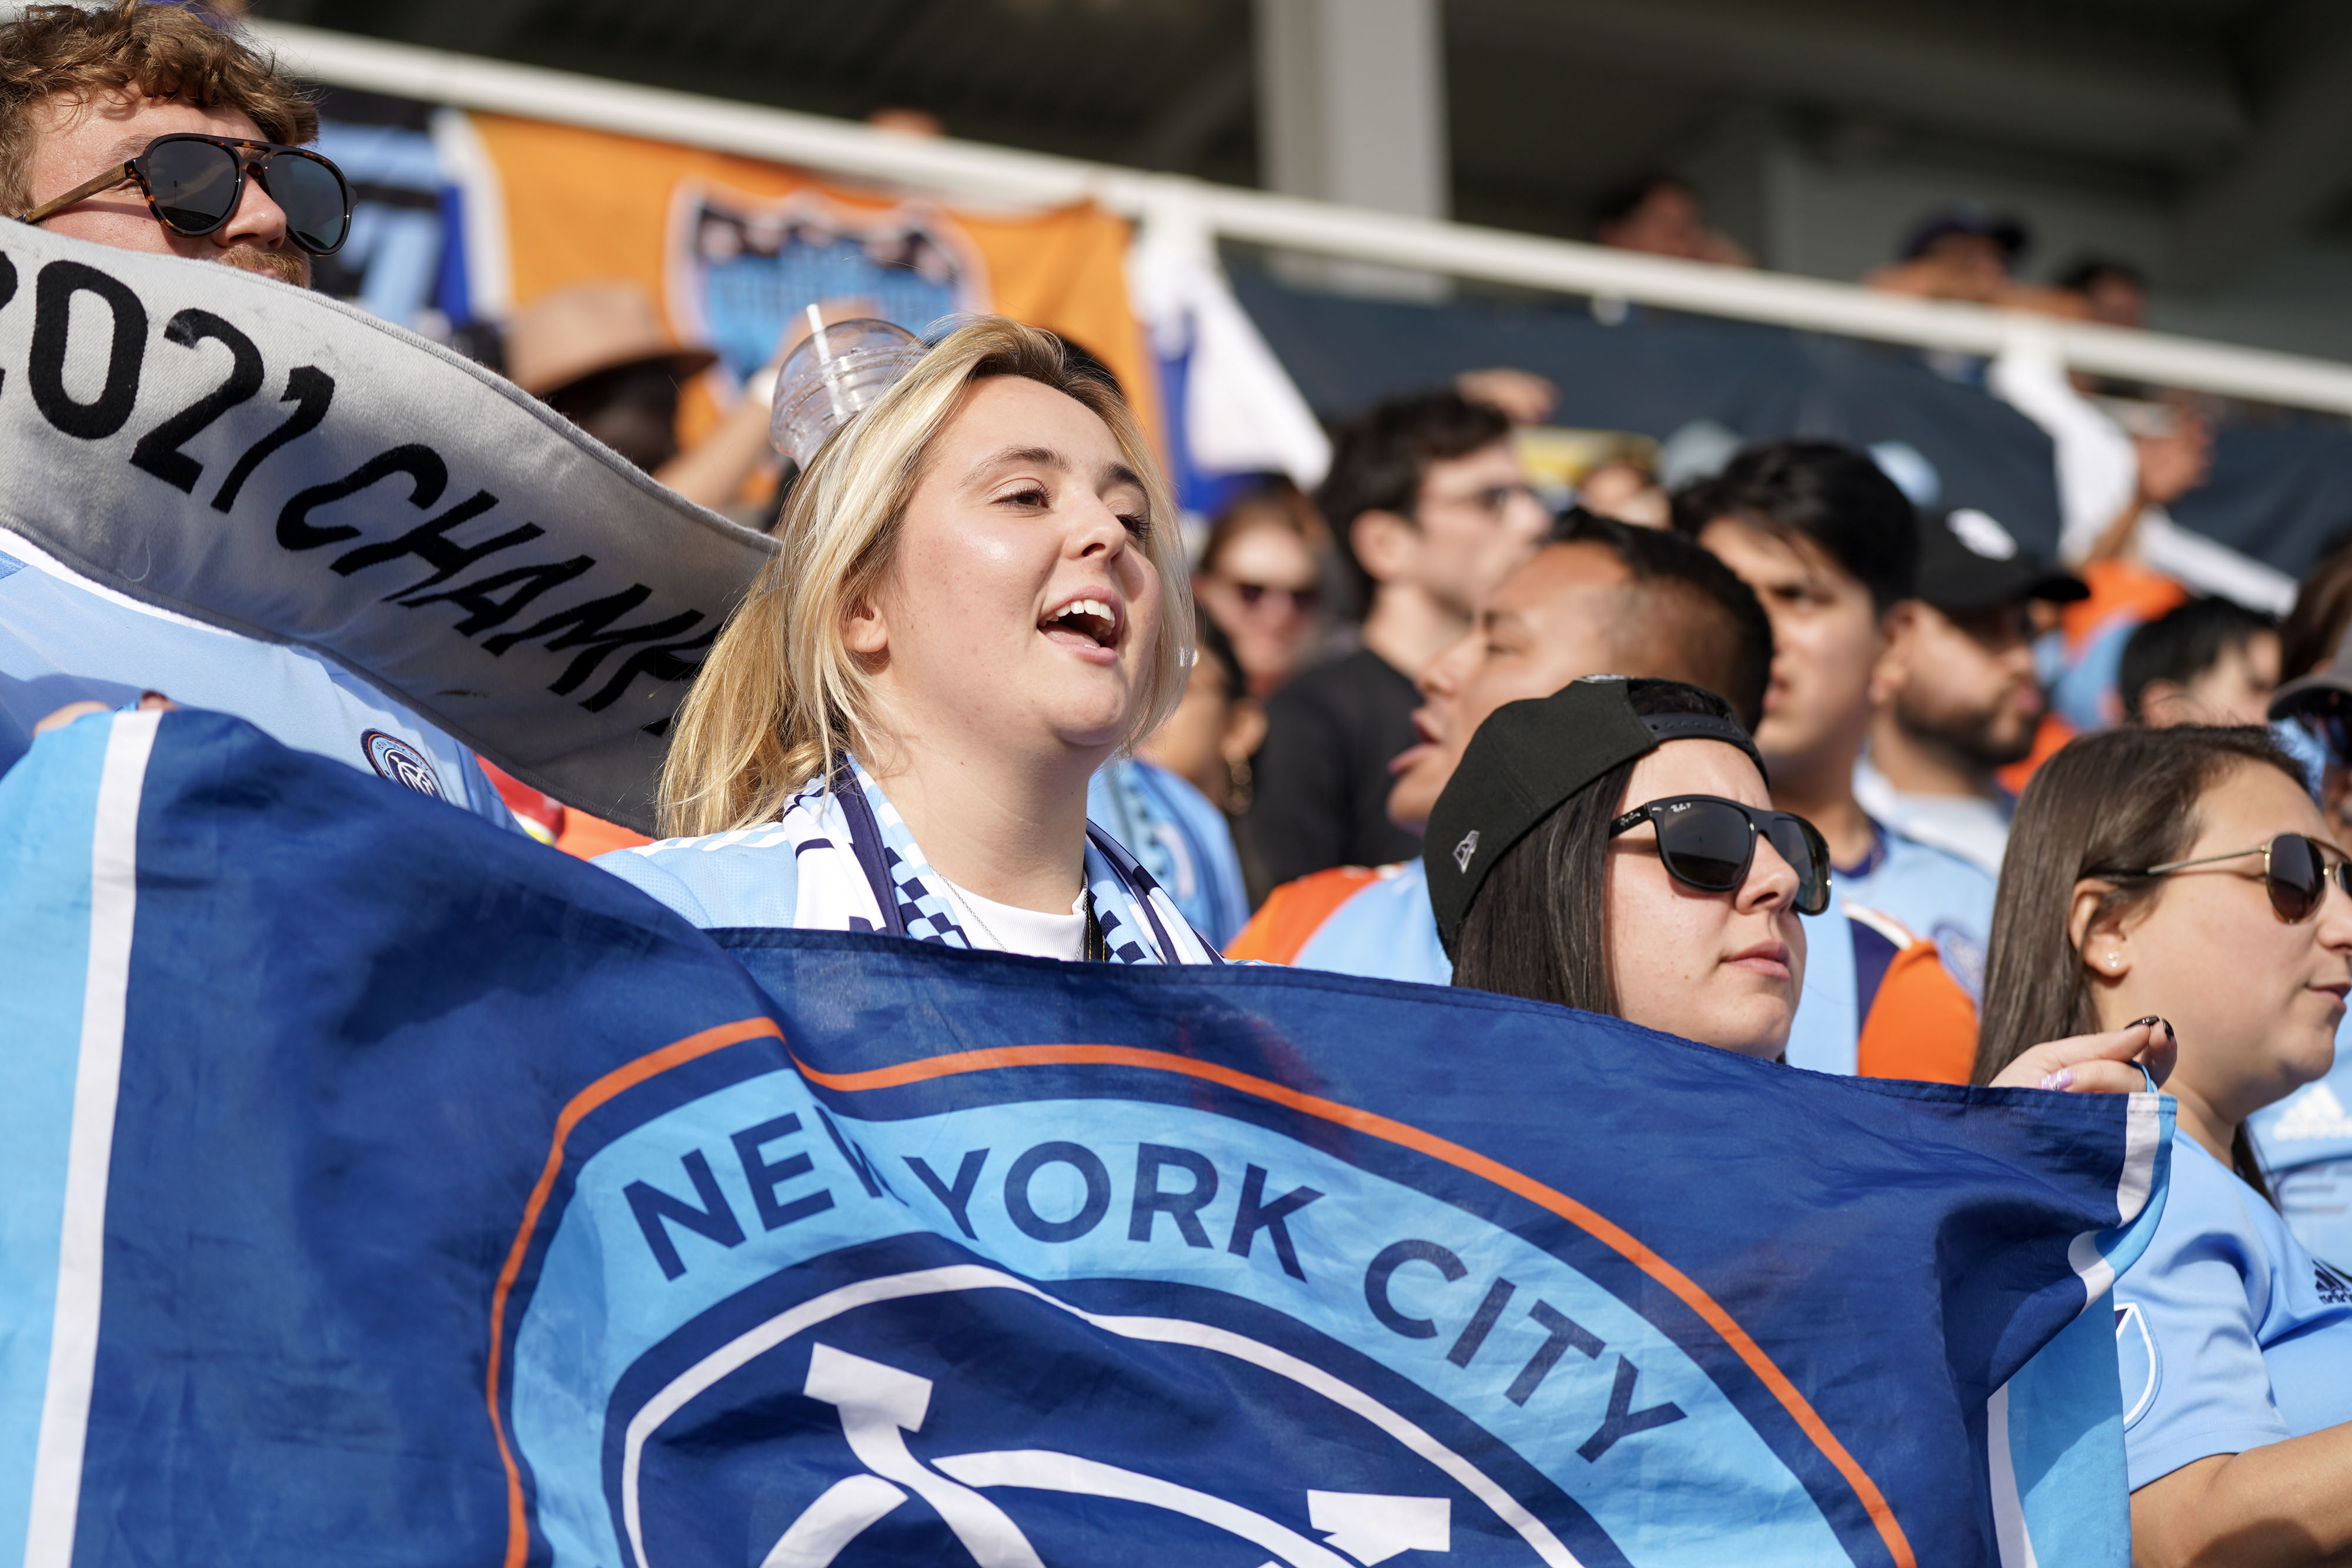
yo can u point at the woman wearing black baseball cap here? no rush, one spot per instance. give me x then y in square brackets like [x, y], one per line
[1613, 847]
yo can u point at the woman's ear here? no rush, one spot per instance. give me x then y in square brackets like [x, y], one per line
[2105, 944]
[863, 629]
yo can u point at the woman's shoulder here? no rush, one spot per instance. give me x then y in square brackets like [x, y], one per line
[749, 876]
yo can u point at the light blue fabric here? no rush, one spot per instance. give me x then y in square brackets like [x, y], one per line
[2305, 1145]
[51, 799]
[1826, 1034]
[1385, 930]
[63, 641]
[803, 872]
[2066, 1447]
[1969, 826]
[1934, 893]
[2231, 1337]
[1180, 838]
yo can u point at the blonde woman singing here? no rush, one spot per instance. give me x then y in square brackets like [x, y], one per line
[979, 598]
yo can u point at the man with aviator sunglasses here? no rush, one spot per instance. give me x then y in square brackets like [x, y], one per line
[147, 128]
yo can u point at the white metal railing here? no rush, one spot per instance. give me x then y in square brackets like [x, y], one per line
[993, 176]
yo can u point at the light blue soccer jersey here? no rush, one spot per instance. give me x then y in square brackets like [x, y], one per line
[65, 639]
[2306, 1144]
[2229, 1333]
[1932, 892]
[1385, 930]
[1183, 840]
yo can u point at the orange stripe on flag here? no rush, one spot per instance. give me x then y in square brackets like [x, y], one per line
[625, 1077]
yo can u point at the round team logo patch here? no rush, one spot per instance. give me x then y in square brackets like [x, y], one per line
[401, 763]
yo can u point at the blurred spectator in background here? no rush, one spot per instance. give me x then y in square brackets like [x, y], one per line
[1261, 581]
[1430, 510]
[1966, 252]
[598, 354]
[1659, 215]
[1830, 547]
[1603, 598]
[2314, 705]
[1524, 397]
[1626, 491]
[2112, 292]
[907, 122]
[1959, 694]
[2209, 661]
[1171, 803]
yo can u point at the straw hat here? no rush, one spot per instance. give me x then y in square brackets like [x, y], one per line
[584, 327]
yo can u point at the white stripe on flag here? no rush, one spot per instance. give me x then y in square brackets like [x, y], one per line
[81, 1251]
[2143, 1132]
[2007, 1508]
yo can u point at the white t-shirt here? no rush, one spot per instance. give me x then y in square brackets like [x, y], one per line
[1004, 929]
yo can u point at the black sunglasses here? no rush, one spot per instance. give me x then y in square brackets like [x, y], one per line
[1709, 842]
[1302, 600]
[2295, 873]
[193, 184]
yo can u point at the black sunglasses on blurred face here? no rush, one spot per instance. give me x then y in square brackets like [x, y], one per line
[193, 185]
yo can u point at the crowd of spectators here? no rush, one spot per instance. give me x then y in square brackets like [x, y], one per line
[1816, 848]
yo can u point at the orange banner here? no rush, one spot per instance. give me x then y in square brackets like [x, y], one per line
[735, 249]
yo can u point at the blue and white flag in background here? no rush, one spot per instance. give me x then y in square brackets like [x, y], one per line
[379, 1188]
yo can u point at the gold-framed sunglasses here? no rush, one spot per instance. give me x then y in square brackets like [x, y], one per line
[2295, 873]
[194, 183]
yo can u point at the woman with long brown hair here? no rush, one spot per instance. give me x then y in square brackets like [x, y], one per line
[2187, 873]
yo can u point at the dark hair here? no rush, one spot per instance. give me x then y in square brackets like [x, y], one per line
[2182, 645]
[1380, 458]
[1538, 925]
[2107, 806]
[1271, 497]
[1623, 199]
[1716, 621]
[1821, 491]
[2087, 272]
[1209, 642]
[2323, 606]
[180, 52]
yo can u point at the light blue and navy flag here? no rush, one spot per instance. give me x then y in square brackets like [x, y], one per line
[379, 1188]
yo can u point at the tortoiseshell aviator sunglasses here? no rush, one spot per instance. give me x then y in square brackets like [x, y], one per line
[193, 184]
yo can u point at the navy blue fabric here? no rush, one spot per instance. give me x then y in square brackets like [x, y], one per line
[1872, 953]
[356, 1021]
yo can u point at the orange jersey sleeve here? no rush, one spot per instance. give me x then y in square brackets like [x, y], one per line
[1921, 1024]
[1294, 912]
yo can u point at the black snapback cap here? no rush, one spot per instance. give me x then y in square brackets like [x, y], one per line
[1529, 756]
[1968, 563]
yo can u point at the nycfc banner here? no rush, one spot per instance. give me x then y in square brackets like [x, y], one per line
[382, 1188]
[290, 467]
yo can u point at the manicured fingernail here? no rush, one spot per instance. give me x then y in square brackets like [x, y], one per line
[2168, 1030]
[2143, 1023]
[2061, 1079]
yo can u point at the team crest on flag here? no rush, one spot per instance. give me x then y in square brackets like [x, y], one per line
[742, 267]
